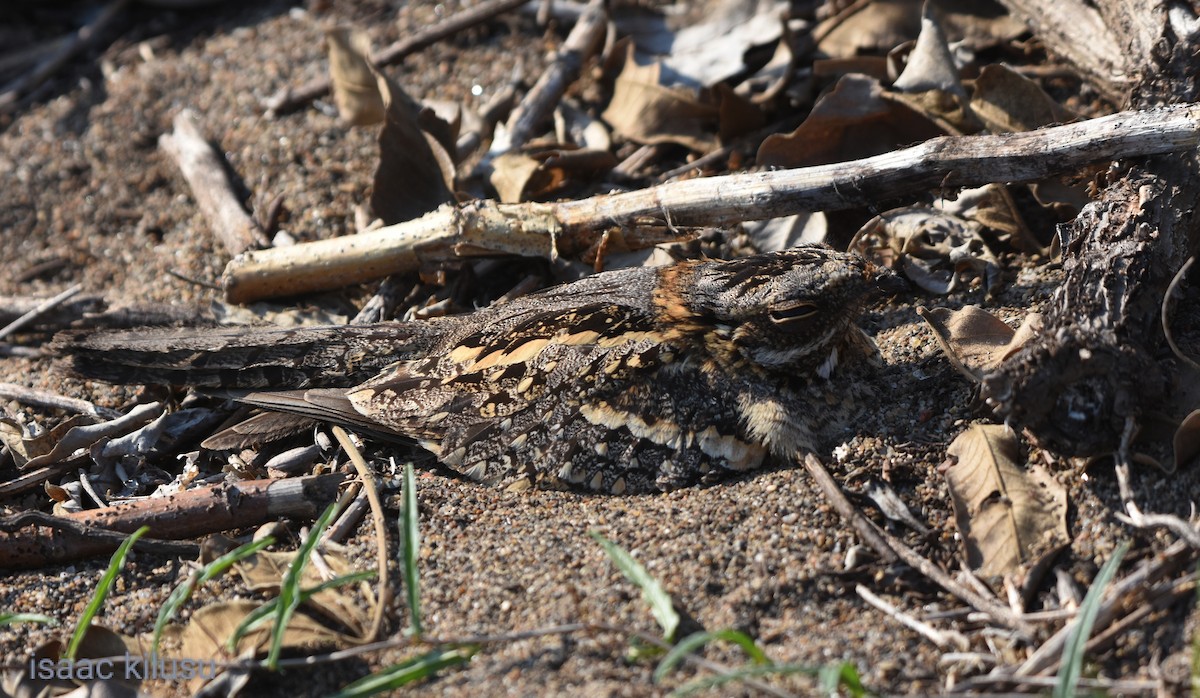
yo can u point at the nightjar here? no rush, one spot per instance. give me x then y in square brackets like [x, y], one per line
[627, 381]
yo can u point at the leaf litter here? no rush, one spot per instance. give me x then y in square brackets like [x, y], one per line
[419, 168]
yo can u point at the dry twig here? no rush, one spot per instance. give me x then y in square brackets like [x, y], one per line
[205, 173]
[539, 103]
[891, 548]
[181, 515]
[383, 597]
[565, 228]
[38, 311]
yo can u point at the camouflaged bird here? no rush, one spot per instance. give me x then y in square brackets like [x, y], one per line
[626, 381]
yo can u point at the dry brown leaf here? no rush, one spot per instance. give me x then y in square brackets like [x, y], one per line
[855, 120]
[644, 110]
[210, 627]
[23, 447]
[355, 91]
[415, 173]
[877, 28]
[533, 172]
[264, 570]
[974, 340]
[1008, 102]
[1013, 519]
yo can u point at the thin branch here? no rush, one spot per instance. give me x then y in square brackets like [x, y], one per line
[41, 309]
[534, 229]
[205, 172]
[539, 103]
[937, 637]
[890, 548]
[47, 399]
[76, 43]
[371, 488]
[180, 515]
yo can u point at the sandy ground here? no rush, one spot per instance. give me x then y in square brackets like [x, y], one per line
[84, 182]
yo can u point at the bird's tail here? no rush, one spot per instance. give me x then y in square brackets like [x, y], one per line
[240, 357]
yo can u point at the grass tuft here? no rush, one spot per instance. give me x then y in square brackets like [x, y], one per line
[652, 591]
[183, 592]
[1071, 666]
[408, 671]
[115, 564]
[290, 593]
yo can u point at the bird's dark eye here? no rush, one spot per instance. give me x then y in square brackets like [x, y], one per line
[795, 313]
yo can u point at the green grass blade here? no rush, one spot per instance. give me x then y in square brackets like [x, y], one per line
[1196, 646]
[183, 592]
[263, 613]
[752, 671]
[289, 588]
[1071, 667]
[115, 564]
[653, 592]
[696, 640]
[410, 549]
[844, 676]
[14, 618]
[406, 672]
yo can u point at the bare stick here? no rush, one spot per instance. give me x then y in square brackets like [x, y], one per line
[937, 637]
[890, 548]
[41, 309]
[535, 229]
[64, 51]
[204, 171]
[290, 99]
[43, 398]
[537, 106]
[182, 515]
[13, 307]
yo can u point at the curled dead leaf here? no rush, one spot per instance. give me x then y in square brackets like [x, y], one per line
[77, 437]
[263, 571]
[352, 77]
[645, 110]
[416, 172]
[1013, 518]
[1008, 102]
[856, 119]
[532, 173]
[975, 341]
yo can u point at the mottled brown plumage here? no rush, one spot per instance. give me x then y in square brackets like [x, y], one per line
[626, 381]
